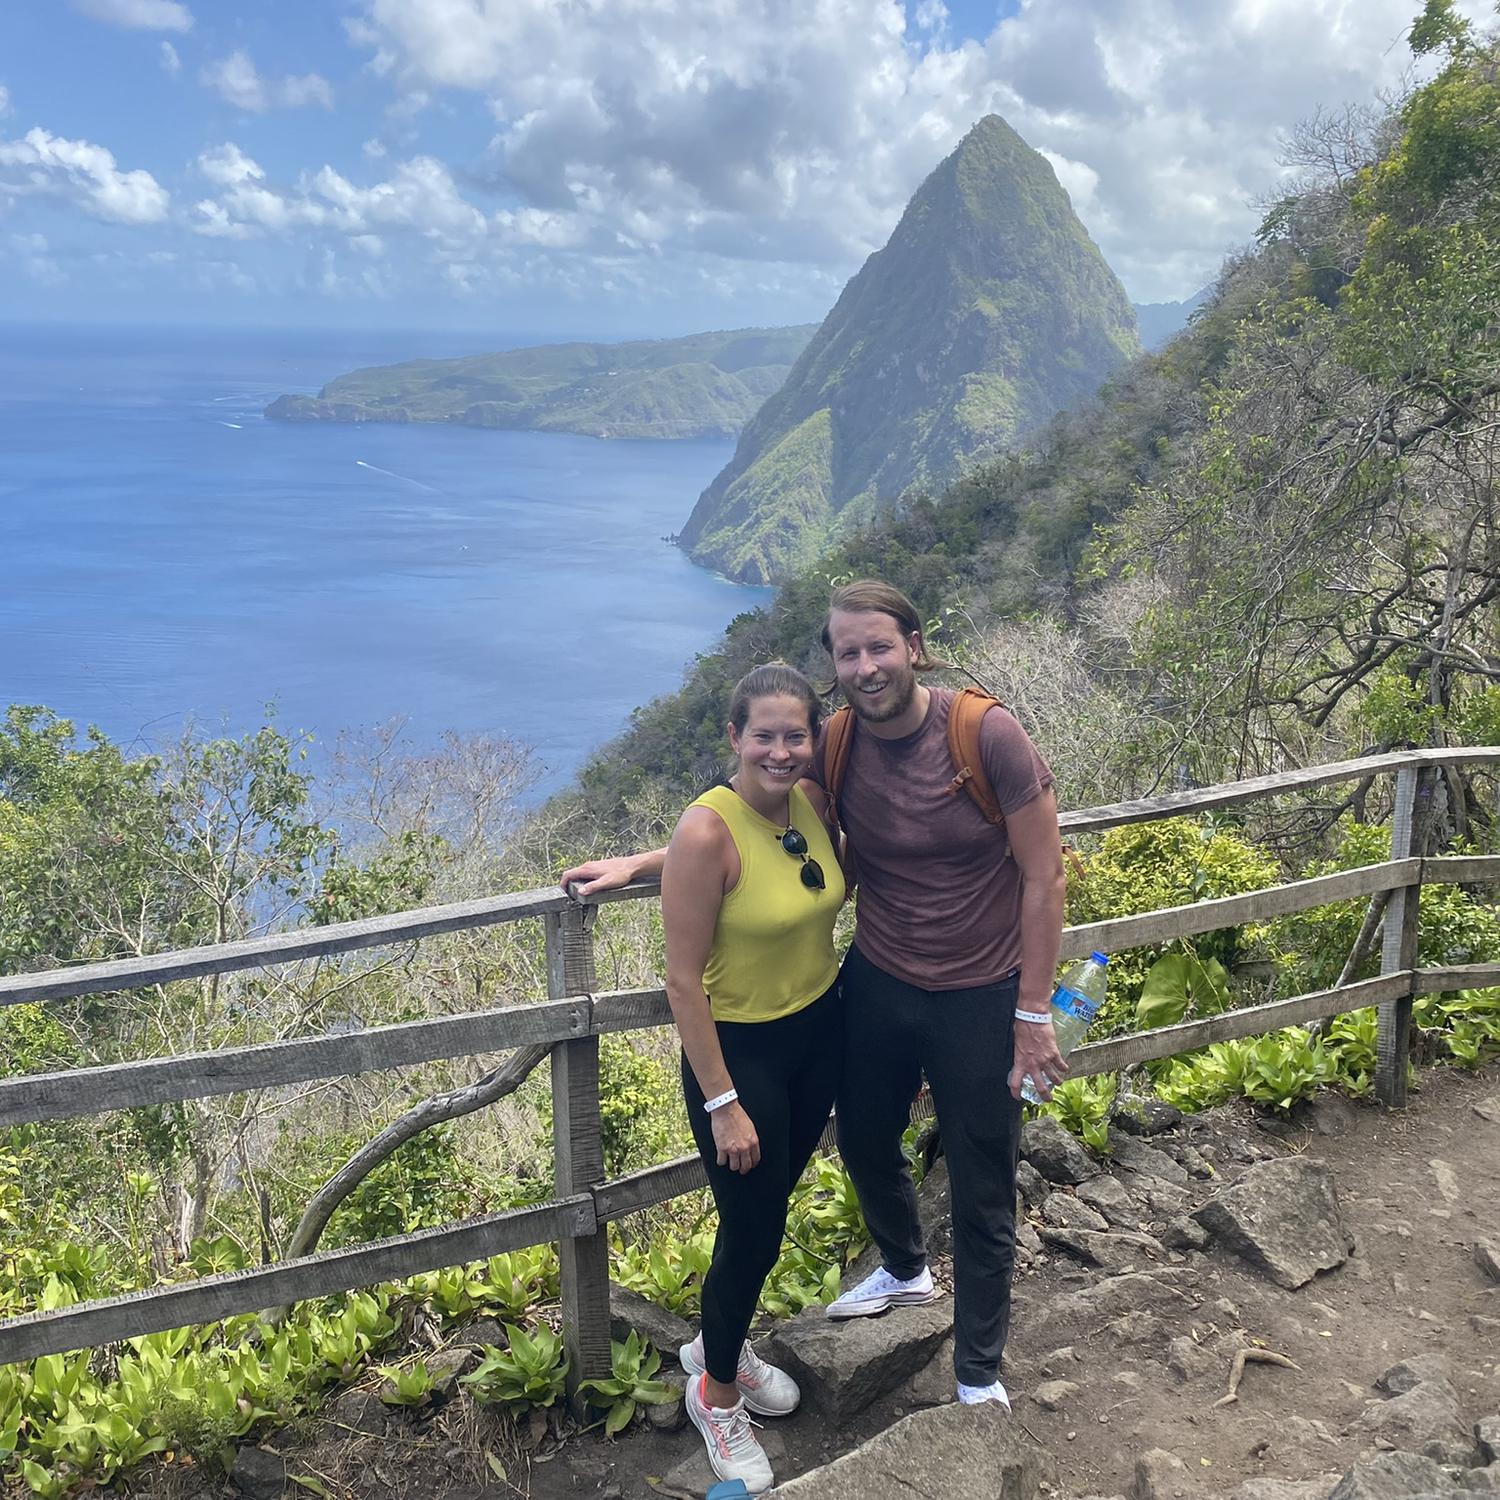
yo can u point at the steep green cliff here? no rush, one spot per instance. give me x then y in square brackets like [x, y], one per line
[707, 385]
[989, 310]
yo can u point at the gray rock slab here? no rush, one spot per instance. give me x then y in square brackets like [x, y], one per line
[1064, 1211]
[1187, 1361]
[1487, 1436]
[1112, 1199]
[1487, 1258]
[360, 1412]
[1161, 1199]
[1489, 1109]
[842, 1366]
[1282, 1217]
[1146, 1161]
[943, 1453]
[1184, 1233]
[1133, 1292]
[629, 1310]
[694, 1476]
[1407, 1373]
[1119, 1252]
[1031, 1185]
[1319, 1487]
[1485, 1481]
[1425, 1420]
[1394, 1476]
[1055, 1154]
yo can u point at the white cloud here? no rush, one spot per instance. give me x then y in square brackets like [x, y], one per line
[237, 80]
[373, 149]
[795, 130]
[4, 101]
[83, 173]
[419, 198]
[171, 63]
[139, 15]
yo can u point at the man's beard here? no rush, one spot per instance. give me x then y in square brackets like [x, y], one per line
[895, 704]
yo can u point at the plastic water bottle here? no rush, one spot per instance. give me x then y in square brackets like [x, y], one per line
[1075, 1001]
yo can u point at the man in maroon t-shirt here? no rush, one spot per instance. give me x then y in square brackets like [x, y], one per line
[958, 925]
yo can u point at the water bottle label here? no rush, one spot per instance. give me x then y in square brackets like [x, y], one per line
[1071, 1003]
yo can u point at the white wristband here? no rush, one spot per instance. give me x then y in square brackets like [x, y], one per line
[1035, 1017]
[720, 1101]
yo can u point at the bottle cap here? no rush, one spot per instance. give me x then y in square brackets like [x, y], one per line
[1100, 958]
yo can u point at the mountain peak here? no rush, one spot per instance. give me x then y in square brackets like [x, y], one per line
[987, 311]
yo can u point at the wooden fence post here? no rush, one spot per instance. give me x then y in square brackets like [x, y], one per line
[1398, 951]
[578, 1150]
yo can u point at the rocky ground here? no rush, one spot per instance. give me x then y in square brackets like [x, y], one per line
[1337, 1275]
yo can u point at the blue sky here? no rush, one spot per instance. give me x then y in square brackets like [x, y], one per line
[617, 167]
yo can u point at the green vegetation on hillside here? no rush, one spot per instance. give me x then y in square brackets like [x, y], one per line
[708, 385]
[989, 310]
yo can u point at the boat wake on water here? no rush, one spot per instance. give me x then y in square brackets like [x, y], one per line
[405, 479]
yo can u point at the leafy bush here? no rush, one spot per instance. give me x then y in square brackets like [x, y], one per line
[629, 1385]
[531, 1371]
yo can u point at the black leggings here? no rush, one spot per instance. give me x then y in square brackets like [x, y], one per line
[786, 1073]
[964, 1041]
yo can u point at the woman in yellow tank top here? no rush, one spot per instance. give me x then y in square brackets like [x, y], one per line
[750, 891]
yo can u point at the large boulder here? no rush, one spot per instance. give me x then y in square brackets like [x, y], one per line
[842, 1366]
[978, 1451]
[1394, 1476]
[1426, 1420]
[1283, 1218]
[1409, 1373]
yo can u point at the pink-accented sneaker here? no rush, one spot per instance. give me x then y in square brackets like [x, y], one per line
[734, 1452]
[768, 1392]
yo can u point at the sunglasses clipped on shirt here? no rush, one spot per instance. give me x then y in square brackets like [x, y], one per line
[795, 845]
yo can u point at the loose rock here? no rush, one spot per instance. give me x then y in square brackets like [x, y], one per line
[1115, 1252]
[1317, 1488]
[1146, 1161]
[1282, 1217]
[1488, 1109]
[1184, 1233]
[1159, 1475]
[359, 1411]
[1186, 1360]
[1112, 1199]
[1487, 1258]
[1138, 1114]
[1425, 1420]
[629, 1310]
[1054, 1153]
[1393, 1476]
[1053, 1395]
[1410, 1373]
[1031, 1185]
[1487, 1437]
[1064, 1211]
[258, 1473]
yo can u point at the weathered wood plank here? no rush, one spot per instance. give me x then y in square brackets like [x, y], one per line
[198, 1075]
[1434, 981]
[281, 947]
[1201, 799]
[631, 1010]
[1398, 941]
[652, 1185]
[1120, 933]
[578, 1152]
[91, 1324]
[1460, 869]
[1167, 1041]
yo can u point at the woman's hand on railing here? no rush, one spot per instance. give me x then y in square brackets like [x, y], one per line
[597, 875]
[734, 1135]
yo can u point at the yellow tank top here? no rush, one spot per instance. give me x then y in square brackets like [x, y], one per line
[772, 952]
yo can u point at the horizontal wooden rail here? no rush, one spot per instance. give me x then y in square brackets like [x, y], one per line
[198, 1075]
[1120, 933]
[1434, 981]
[1202, 799]
[1254, 1020]
[210, 1298]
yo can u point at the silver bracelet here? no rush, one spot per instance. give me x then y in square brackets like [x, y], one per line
[1035, 1017]
[720, 1101]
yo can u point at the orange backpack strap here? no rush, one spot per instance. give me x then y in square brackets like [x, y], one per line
[965, 715]
[838, 737]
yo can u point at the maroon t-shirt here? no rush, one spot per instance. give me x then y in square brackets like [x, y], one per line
[939, 902]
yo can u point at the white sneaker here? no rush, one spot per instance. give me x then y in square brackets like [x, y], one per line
[880, 1290]
[733, 1450]
[977, 1395]
[768, 1392]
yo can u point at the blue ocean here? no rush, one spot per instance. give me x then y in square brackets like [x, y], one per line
[171, 556]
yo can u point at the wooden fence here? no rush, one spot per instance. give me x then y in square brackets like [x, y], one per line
[576, 1015]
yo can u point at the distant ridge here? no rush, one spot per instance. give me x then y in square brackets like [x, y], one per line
[705, 386]
[989, 310]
